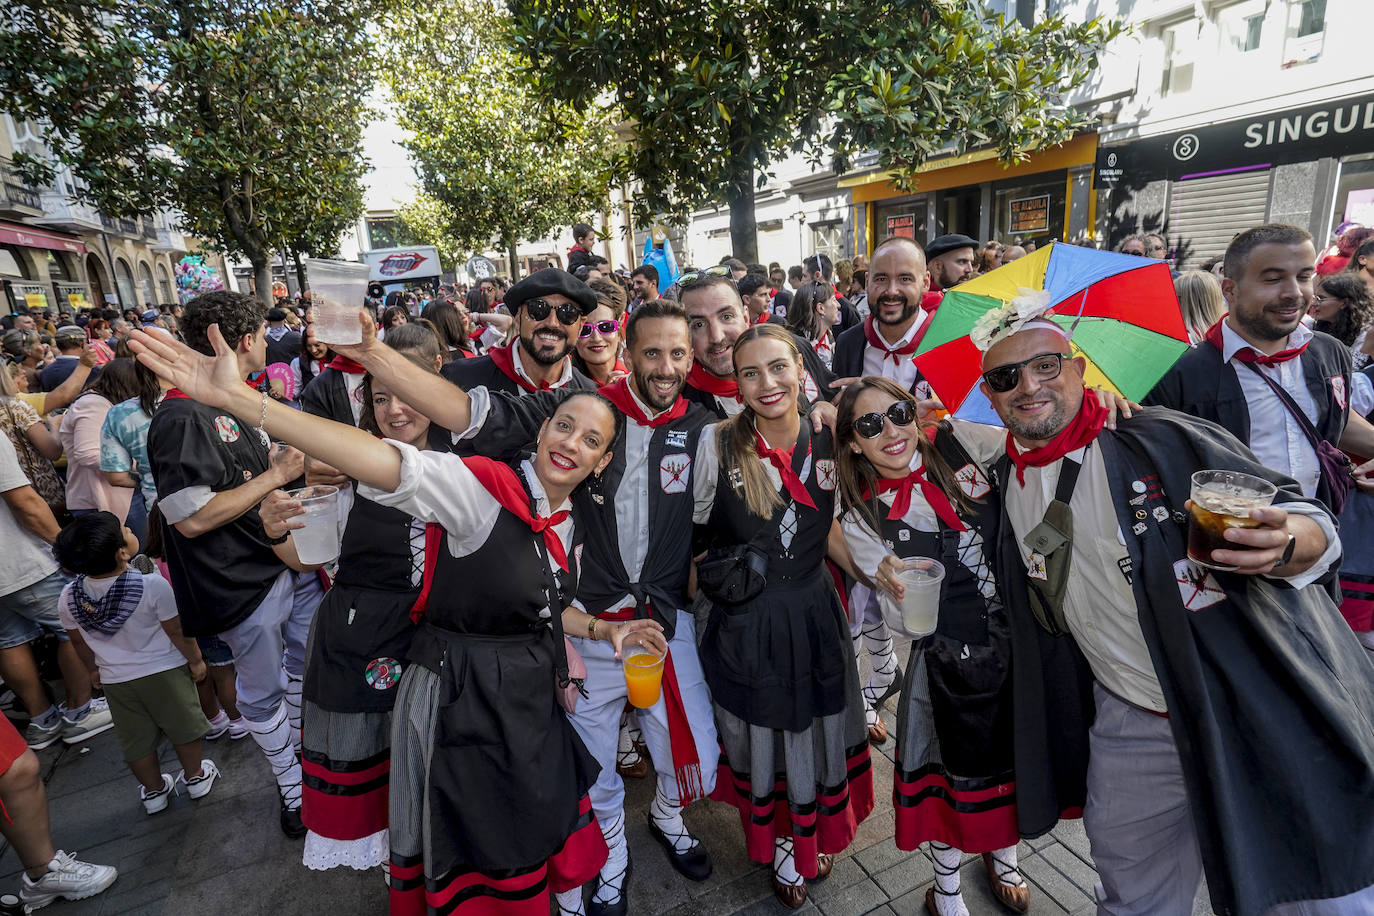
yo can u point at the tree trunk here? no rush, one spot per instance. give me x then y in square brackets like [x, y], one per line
[262, 277]
[514, 260]
[300, 272]
[744, 236]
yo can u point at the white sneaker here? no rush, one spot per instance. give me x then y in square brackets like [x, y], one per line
[68, 878]
[200, 786]
[238, 729]
[156, 801]
[38, 737]
[219, 726]
[96, 720]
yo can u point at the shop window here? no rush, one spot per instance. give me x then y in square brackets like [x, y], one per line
[125, 279]
[11, 262]
[164, 286]
[1030, 212]
[1355, 193]
[1180, 53]
[1306, 32]
[57, 267]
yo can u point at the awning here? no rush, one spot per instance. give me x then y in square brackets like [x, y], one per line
[29, 237]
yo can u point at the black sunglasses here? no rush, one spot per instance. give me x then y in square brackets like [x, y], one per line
[604, 328]
[1043, 368]
[696, 276]
[538, 310]
[870, 425]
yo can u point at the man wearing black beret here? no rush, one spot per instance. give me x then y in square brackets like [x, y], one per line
[548, 307]
[949, 258]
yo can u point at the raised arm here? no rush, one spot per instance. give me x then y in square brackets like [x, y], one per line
[437, 398]
[214, 380]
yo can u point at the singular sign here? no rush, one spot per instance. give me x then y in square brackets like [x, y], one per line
[1339, 127]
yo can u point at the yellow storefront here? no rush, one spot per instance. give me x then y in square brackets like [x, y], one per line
[1047, 197]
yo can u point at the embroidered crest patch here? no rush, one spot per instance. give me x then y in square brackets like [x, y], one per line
[382, 673]
[1196, 585]
[227, 428]
[825, 473]
[1035, 568]
[672, 472]
[972, 481]
[1338, 390]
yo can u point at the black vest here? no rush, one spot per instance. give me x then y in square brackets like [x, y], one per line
[848, 358]
[326, 396]
[663, 578]
[468, 374]
[376, 548]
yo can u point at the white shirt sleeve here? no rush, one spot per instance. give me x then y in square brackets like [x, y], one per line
[64, 615]
[181, 505]
[478, 407]
[706, 473]
[157, 592]
[865, 547]
[438, 487]
[1333, 544]
[11, 474]
[984, 443]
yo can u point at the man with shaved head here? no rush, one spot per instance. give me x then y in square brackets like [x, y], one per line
[1215, 718]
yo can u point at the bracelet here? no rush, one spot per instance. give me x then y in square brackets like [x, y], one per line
[262, 424]
[591, 628]
[274, 541]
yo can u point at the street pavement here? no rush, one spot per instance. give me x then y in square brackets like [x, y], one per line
[225, 854]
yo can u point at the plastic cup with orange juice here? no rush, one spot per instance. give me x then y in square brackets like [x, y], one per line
[643, 675]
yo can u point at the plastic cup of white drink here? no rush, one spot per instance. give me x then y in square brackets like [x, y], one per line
[919, 608]
[318, 541]
[337, 291]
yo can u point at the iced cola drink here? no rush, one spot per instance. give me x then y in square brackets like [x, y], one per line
[1221, 500]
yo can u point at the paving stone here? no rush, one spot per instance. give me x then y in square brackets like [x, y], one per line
[862, 897]
[1052, 883]
[1073, 868]
[914, 871]
[1072, 835]
[881, 856]
[846, 873]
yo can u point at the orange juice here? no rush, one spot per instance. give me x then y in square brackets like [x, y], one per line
[643, 677]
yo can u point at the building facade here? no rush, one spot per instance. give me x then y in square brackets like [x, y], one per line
[57, 253]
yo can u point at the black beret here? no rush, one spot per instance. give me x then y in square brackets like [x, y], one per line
[548, 281]
[944, 244]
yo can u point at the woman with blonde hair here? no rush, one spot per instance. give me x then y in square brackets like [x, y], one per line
[1200, 299]
[776, 651]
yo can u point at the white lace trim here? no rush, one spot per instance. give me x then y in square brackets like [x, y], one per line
[322, 853]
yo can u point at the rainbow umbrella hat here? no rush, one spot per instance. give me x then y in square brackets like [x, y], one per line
[1120, 310]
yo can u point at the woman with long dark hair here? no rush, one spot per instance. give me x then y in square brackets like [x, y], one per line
[813, 314]
[795, 758]
[908, 492]
[1343, 307]
[124, 448]
[450, 324]
[87, 488]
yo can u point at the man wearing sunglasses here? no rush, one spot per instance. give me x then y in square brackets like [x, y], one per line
[548, 307]
[1203, 720]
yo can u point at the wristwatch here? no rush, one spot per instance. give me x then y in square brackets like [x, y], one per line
[282, 539]
[1287, 551]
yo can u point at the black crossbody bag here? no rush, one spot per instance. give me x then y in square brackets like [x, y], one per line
[1337, 478]
[738, 574]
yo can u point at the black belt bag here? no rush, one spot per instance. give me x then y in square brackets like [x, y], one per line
[739, 574]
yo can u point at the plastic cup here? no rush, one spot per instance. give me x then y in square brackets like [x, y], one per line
[919, 610]
[1221, 500]
[643, 676]
[337, 291]
[318, 541]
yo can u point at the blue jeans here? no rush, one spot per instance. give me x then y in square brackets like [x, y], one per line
[25, 614]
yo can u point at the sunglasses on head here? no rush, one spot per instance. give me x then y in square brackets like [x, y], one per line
[1043, 368]
[604, 328]
[696, 276]
[538, 310]
[870, 425]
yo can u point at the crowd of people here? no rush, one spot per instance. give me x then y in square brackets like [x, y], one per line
[731, 472]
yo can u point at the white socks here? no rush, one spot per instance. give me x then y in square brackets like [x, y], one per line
[626, 754]
[274, 737]
[948, 900]
[877, 641]
[1004, 861]
[667, 816]
[784, 865]
[293, 708]
[570, 903]
[612, 883]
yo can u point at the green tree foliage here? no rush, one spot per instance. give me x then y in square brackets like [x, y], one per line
[496, 167]
[244, 116]
[719, 90]
[427, 220]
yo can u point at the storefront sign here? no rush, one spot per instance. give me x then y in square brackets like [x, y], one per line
[28, 237]
[1029, 214]
[902, 226]
[1109, 168]
[1337, 128]
[390, 265]
[36, 302]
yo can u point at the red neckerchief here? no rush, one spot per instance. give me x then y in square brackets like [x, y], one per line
[579, 248]
[763, 317]
[346, 365]
[782, 460]
[619, 394]
[934, 497]
[876, 341]
[434, 539]
[702, 380]
[501, 482]
[504, 360]
[1082, 429]
[1250, 354]
[174, 394]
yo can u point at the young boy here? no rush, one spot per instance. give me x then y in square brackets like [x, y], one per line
[124, 626]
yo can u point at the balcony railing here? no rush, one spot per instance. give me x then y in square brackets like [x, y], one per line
[14, 193]
[149, 230]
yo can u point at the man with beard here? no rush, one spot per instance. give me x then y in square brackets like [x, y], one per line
[716, 317]
[630, 569]
[1204, 720]
[1260, 361]
[951, 260]
[548, 307]
[885, 342]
